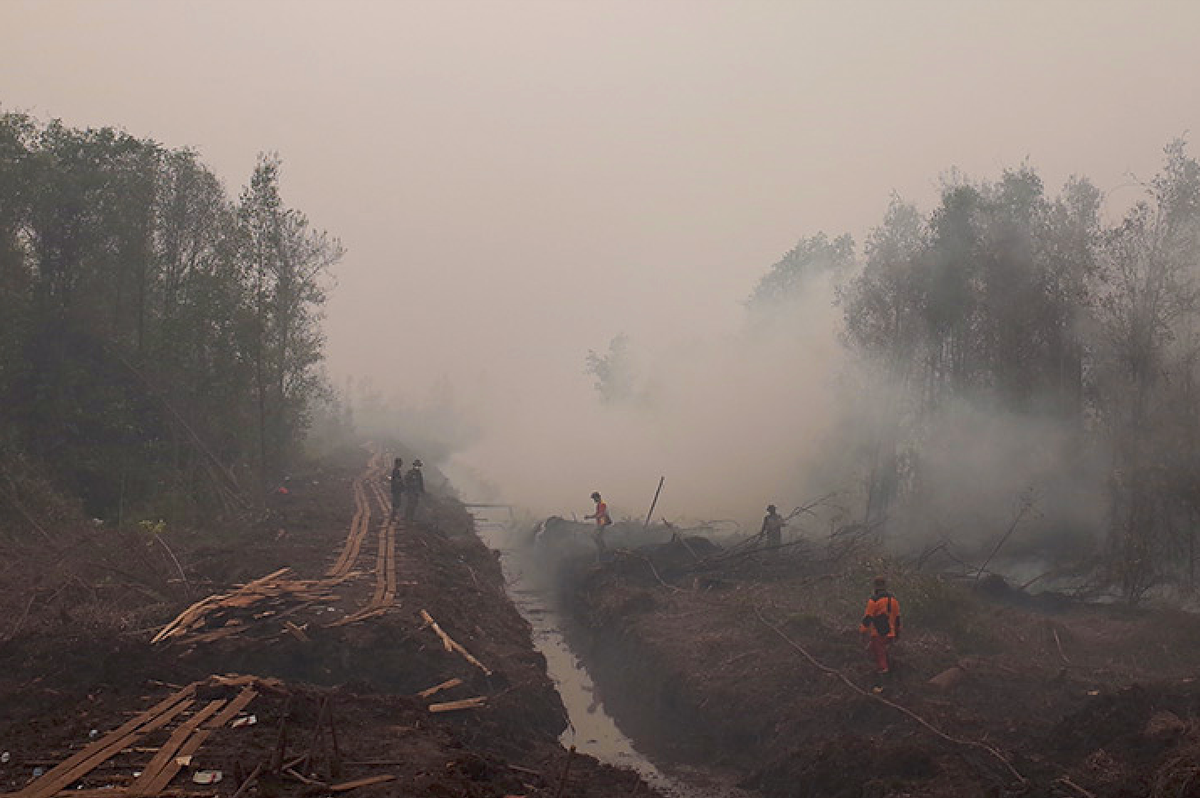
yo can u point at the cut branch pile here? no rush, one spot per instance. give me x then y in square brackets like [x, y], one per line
[264, 601]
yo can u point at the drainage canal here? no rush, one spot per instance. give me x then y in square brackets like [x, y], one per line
[592, 730]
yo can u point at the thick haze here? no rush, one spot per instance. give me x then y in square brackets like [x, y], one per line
[518, 182]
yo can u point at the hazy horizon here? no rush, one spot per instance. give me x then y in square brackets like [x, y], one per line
[517, 183]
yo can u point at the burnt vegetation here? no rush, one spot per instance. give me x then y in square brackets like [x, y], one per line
[1021, 376]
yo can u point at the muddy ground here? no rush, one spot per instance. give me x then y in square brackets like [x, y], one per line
[748, 664]
[753, 663]
[76, 658]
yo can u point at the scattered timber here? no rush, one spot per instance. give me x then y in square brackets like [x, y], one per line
[437, 688]
[466, 703]
[364, 782]
[271, 596]
[451, 645]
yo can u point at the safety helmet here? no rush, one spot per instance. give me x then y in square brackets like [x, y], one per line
[770, 508]
[596, 495]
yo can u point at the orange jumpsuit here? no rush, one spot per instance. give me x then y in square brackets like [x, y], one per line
[882, 622]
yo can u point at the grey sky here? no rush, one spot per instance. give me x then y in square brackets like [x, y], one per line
[516, 182]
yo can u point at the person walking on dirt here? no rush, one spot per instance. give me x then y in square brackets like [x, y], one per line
[603, 521]
[397, 482]
[880, 625]
[414, 487]
[772, 527]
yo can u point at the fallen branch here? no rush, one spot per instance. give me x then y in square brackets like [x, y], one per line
[303, 779]
[369, 780]
[808, 508]
[451, 645]
[653, 570]
[187, 587]
[876, 697]
[249, 782]
[1027, 501]
[654, 503]
[1060, 648]
[437, 688]
[21, 621]
[739, 552]
[1066, 782]
[466, 703]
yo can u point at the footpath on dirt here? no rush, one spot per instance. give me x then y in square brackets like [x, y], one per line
[336, 651]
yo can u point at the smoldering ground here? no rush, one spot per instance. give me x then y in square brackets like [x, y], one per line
[780, 412]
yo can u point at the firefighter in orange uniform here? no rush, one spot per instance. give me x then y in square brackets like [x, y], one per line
[881, 625]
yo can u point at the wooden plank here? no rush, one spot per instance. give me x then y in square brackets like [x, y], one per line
[451, 645]
[233, 708]
[195, 612]
[296, 632]
[148, 782]
[117, 792]
[303, 779]
[437, 688]
[247, 680]
[184, 618]
[114, 741]
[176, 764]
[361, 615]
[366, 782]
[466, 703]
[358, 527]
[264, 579]
[85, 761]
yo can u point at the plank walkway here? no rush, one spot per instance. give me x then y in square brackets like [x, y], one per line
[185, 740]
[274, 597]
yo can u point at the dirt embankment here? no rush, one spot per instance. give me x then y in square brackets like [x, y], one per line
[754, 664]
[342, 650]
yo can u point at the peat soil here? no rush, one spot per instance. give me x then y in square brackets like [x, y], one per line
[79, 611]
[752, 663]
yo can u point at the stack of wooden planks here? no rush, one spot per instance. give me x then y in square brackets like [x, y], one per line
[269, 599]
[183, 743]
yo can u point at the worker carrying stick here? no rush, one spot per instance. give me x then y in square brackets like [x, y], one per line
[881, 625]
[772, 527]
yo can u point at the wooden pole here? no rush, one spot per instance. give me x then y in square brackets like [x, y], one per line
[253, 777]
[661, 480]
[562, 783]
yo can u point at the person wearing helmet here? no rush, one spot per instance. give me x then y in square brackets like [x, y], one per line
[397, 483]
[414, 487]
[772, 527]
[881, 625]
[603, 521]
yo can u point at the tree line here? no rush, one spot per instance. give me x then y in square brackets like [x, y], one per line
[1008, 299]
[160, 341]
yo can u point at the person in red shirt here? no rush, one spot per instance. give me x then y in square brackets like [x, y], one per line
[881, 625]
[603, 521]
